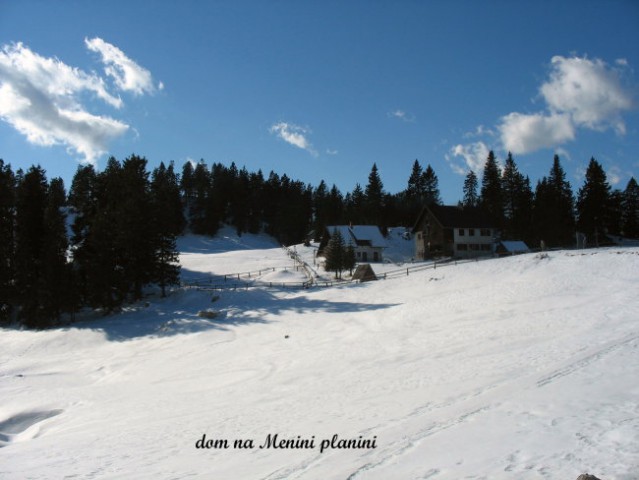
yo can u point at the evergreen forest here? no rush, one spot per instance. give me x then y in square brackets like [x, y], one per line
[114, 232]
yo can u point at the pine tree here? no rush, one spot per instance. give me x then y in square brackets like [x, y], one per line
[201, 190]
[134, 225]
[630, 206]
[56, 286]
[83, 204]
[553, 217]
[415, 188]
[167, 224]
[471, 198]
[374, 194]
[518, 200]
[100, 258]
[349, 259]
[335, 206]
[320, 210]
[256, 202]
[30, 234]
[593, 203]
[563, 218]
[272, 201]
[615, 219]
[430, 184]
[492, 199]
[187, 183]
[240, 207]
[7, 243]
[355, 203]
[334, 254]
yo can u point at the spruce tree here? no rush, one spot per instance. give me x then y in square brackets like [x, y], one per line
[630, 208]
[349, 258]
[83, 204]
[334, 254]
[102, 256]
[272, 201]
[492, 199]
[415, 188]
[135, 225]
[553, 217]
[563, 215]
[56, 286]
[187, 183]
[430, 184]
[30, 234]
[240, 207]
[593, 203]
[471, 198]
[335, 207]
[320, 210]
[256, 201]
[355, 204]
[201, 190]
[517, 202]
[167, 224]
[7, 243]
[374, 194]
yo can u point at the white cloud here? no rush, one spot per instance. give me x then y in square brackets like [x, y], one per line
[614, 175]
[473, 154]
[579, 93]
[295, 135]
[522, 133]
[588, 90]
[43, 99]
[562, 152]
[480, 131]
[402, 115]
[331, 152]
[128, 75]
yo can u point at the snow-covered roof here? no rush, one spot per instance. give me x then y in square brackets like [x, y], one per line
[360, 235]
[514, 246]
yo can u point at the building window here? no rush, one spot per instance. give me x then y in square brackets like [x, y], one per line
[460, 232]
[359, 254]
[471, 232]
[462, 247]
[485, 247]
[485, 232]
[474, 246]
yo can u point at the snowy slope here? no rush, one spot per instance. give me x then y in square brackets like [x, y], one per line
[523, 368]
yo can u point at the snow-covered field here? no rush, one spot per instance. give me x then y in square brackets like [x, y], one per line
[523, 368]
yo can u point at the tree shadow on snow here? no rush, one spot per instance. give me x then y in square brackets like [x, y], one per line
[185, 312]
[265, 301]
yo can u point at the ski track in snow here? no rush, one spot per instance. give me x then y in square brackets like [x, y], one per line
[588, 359]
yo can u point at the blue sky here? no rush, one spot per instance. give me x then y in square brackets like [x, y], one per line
[322, 89]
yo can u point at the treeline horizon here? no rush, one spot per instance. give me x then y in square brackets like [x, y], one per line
[114, 233]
